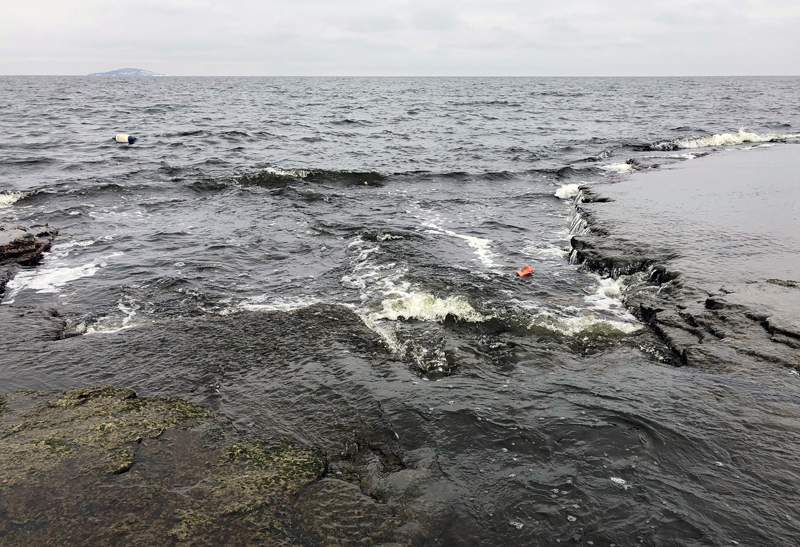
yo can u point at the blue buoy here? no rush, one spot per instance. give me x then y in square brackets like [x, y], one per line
[126, 139]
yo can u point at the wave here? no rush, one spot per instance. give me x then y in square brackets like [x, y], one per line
[480, 245]
[27, 161]
[274, 176]
[9, 198]
[424, 306]
[350, 122]
[620, 168]
[583, 325]
[603, 314]
[723, 139]
[568, 191]
[268, 303]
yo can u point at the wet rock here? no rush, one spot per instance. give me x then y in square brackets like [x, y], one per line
[699, 329]
[784, 283]
[148, 471]
[20, 246]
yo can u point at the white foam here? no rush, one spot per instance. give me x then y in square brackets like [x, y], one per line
[586, 324]
[604, 314]
[723, 139]
[480, 245]
[265, 303]
[112, 324]
[293, 173]
[9, 198]
[55, 274]
[368, 276]
[607, 298]
[48, 280]
[683, 156]
[424, 355]
[757, 146]
[620, 168]
[426, 307]
[62, 249]
[620, 482]
[568, 191]
[550, 252]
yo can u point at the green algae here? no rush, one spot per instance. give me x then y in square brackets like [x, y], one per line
[294, 461]
[121, 461]
[191, 523]
[784, 283]
[96, 465]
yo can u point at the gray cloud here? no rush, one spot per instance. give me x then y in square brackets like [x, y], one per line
[402, 37]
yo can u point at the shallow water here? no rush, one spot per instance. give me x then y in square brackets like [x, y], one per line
[332, 260]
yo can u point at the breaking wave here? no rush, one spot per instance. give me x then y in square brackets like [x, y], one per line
[568, 191]
[426, 307]
[277, 176]
[723, 139]
[9, 198]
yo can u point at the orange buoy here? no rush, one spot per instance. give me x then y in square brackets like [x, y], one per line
[525, 271]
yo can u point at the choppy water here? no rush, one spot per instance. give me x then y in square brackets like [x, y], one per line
[322, 258]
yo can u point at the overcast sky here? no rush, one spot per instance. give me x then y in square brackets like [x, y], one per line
[402, 37]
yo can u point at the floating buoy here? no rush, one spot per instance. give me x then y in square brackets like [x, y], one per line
[525, 271]
[126, 139]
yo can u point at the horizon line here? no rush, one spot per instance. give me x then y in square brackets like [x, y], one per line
[100, 75]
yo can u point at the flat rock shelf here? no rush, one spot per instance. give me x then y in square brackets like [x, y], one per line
[709, 256]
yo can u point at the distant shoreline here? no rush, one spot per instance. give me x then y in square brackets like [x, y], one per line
[128, 72]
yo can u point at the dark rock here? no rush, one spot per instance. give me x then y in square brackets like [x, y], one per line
[21, 247]
[698, 329]
[784, 283]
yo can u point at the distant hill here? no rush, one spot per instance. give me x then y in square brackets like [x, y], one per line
[127, 72]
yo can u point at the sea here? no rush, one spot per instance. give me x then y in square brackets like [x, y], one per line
[333, 260]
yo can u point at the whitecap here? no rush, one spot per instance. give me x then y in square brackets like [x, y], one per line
[289, 173]
[427, 307]
[568, 191]
[722, 139]
[9, 198]
[620, 482]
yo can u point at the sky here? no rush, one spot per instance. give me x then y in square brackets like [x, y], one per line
[403, 37]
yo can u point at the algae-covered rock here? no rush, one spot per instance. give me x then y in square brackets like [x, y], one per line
[100, 466]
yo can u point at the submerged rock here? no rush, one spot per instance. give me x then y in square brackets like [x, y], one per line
[21, 247]
[100, 466]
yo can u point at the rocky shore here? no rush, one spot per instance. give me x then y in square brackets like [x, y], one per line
[100, 466]
[723, 328]
[20, 247]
